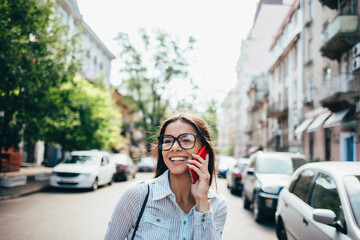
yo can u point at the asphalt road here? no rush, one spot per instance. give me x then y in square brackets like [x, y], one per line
[79, 214]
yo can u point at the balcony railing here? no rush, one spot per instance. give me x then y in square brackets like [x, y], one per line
[339, 36]
[341, 91]
[278, 109]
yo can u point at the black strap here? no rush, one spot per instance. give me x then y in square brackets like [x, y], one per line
[141, 212]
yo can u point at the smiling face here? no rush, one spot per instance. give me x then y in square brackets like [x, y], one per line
[176, 158]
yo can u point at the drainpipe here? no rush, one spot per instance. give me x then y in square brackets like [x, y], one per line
[301, 78]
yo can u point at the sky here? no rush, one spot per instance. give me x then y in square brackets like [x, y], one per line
[218, 27]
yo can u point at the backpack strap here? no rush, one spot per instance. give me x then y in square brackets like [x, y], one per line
[141, 212]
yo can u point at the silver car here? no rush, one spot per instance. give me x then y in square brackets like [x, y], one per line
[322, 201]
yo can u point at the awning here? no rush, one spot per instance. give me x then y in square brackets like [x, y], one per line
[336, 118]
[318, 121]
[303, 126]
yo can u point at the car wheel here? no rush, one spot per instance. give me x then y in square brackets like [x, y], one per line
[258, 215]
[280, 231]
[246, 202]
[95, 185]
[111, 180]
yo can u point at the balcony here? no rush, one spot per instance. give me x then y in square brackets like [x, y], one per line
[278, 109]
[339, 36]
[341, 92]
[333, 4]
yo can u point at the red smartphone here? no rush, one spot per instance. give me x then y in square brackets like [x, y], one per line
[202, 153]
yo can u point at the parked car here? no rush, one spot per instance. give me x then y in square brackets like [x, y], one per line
[234, 176]
[266, 174]
[223, 164]
[146, 164]
[322, 201]
[125, 166]
[83, 169]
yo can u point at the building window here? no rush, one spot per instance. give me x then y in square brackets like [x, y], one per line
[348, 7]
[310, 50]
[309, 11]
[327, 74]
[310, 91]
[327, 144]
[311, 145]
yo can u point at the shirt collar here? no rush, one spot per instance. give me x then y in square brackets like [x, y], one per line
[162, 187]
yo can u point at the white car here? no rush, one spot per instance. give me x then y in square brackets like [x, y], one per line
[322, 201]
[83, 169]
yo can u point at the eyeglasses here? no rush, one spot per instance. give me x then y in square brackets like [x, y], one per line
[185, 141]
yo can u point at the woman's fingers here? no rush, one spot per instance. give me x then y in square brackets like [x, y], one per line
[200, 166]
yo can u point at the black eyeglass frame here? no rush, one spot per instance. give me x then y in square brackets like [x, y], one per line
[177, 139]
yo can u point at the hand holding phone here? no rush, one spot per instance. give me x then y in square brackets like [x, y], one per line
[194, 176]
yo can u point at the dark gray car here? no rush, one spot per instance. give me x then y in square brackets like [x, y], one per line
[264, 178]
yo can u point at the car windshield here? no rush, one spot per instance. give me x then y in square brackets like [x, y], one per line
[278, 165]
[352, 184]
[119, 159]
[80, 159]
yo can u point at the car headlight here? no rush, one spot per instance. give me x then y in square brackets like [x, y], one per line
[87, 175]
[270, 189]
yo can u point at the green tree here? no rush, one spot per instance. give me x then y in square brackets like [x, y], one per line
[87, 120]
[34, 59]
[147, 76]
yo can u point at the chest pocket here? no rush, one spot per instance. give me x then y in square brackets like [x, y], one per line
[156, 226]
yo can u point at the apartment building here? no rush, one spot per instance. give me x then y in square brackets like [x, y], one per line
[96, 64]
[95, 56]
[251, 72]
[312, 104]
[341, 85]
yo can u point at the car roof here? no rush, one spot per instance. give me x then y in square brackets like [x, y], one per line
[335, 167]
[281, 154]
[88, 153]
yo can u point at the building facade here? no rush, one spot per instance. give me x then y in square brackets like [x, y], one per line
[251, 71]
[313, 99]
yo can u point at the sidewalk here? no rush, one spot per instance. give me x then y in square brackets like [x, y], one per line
[36, 177]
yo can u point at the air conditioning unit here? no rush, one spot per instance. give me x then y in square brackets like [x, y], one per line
[356, 50]
[356, 64]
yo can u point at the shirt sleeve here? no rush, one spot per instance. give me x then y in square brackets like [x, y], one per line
[209, 224]
[124, 214]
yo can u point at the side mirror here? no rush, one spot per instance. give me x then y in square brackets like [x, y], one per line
[328, 217]
[324, 216]
[250, 171]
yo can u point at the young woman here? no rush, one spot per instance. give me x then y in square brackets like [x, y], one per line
[175, 208]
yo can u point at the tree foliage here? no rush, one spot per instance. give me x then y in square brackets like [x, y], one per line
[34, 58]
[147, 75]
[87, 120]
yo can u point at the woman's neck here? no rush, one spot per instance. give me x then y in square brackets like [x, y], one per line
[181, 187]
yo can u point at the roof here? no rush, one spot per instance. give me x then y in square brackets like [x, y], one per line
[336, 167]
[88, 152]
[281, 154]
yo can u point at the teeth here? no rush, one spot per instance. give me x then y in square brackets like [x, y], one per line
[178, 159]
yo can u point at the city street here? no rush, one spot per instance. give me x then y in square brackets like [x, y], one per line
[79, 214]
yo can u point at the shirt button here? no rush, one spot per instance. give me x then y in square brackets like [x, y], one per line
[184, 238]
[184, 222]
[203, 220]
[158, 220]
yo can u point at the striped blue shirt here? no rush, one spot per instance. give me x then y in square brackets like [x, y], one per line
[163, 218]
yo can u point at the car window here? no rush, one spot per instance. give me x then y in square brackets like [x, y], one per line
[325, 194]
[274, 165]
[104, 161]
[298, 162]
[301, 186]
[80, 159]
[252, 163]
[352, 185]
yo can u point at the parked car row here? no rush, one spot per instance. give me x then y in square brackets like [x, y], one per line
[308, 200]
[93, 168]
